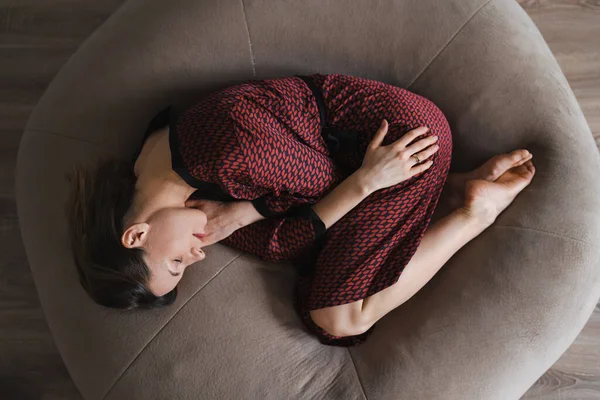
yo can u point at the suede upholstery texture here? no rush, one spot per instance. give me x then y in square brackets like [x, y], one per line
[501, 311]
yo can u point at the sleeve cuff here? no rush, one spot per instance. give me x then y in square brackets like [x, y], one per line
[305, 211]
[318, 224]
[261, 206]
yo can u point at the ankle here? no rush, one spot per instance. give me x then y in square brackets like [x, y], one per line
[481, 218]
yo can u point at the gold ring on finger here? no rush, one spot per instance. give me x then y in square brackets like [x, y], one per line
[417, 158]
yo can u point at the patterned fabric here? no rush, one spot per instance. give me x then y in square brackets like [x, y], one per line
[285, 143]
[367, 249]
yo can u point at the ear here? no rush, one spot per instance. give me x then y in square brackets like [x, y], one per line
[136, 235]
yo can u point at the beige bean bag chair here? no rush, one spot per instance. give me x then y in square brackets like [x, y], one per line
[487, 326]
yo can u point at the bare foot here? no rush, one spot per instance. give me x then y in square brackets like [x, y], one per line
[456, 182]
[486, 199]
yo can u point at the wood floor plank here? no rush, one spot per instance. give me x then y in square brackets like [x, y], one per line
[36, 39]
[572, 31]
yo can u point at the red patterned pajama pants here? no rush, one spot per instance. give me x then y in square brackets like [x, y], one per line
[367, 249]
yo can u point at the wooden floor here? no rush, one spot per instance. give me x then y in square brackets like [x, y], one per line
[36, 39]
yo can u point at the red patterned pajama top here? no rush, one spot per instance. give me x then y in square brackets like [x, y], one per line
[284, 144]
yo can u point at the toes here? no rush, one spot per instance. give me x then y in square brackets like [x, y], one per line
[501, 165]
[521, 169]
[530, 167]
[526, 170]
[520, 156]
[498, 165]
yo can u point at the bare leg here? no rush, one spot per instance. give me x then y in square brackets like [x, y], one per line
[482, 201]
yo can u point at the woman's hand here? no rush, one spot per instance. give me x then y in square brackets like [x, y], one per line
[385, 166]
[223, 218]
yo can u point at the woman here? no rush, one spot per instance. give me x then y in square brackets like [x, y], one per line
[337, 174]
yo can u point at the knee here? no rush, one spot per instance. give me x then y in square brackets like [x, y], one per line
[339, 320]
[416, 110]
[433, 117]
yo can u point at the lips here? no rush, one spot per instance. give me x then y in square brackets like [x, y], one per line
[199, 235]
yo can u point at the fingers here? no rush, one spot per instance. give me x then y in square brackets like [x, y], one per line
[378, 138]
[410, 136]
[419, 145]
[418, 168]
[521, 157]
[403, 141]
[426, 153]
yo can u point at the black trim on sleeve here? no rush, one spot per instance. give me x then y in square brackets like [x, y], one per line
[261, 206]
[306, 211]
[318, 224]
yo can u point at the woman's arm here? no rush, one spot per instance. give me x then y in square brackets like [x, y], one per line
[342, 199]
[247, 214]
[288, 238]
[330, 209]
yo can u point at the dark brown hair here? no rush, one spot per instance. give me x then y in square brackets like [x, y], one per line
[99, 205]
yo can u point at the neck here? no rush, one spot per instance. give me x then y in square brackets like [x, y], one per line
[160, 192]
[158, 186]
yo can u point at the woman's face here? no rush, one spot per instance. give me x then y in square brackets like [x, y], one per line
[171, 246]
